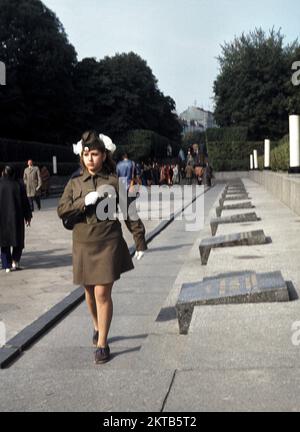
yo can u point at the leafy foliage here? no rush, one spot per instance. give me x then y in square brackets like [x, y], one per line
[40, 61]
[228, 148]
[254, 88]
[144, 144]
[50, 97]
[119, 94]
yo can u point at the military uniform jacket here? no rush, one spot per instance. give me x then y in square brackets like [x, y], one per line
[100, 253]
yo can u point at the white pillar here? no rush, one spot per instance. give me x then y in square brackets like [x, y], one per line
[54, 165]
[255, 159]
[294, 121]
[251, 162]
[267, 153]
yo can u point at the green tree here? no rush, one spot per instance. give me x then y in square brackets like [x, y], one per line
[35, 103]
[119, 94]
[253, 88]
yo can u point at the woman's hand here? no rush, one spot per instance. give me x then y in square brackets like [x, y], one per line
[91, 198]
[28, 223]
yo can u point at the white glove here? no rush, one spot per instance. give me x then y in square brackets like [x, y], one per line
[139, 255]
[91, 198]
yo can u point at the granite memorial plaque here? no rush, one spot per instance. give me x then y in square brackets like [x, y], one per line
[239, 192]
[234, 198]
[248, 238]
[231, 288]
[238, 206]
[239, 218]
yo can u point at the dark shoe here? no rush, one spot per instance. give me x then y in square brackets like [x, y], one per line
[102, 355]
[95, 337]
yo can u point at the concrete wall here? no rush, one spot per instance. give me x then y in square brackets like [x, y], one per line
[224, 175]
[283, 186]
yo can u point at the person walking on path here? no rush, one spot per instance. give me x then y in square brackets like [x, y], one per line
[176, 178]
[189, 173]
[45, 177]
[208, 174]
[100, 253]
[126, 171]
[15, 211]
[33, 182]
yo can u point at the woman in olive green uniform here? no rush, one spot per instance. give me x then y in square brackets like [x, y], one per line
[100, 253]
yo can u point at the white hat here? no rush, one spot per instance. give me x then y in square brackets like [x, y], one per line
[109, 145]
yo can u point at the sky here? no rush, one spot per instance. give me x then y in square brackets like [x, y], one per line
[179, 39]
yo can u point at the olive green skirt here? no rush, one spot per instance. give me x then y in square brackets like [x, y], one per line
[100, 263]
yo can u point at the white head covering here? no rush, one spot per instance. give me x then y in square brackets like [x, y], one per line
[109, 145]
[77, 148]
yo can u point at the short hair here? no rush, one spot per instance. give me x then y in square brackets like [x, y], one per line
[8, 171]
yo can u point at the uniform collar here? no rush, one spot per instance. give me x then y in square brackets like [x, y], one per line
[86, 175]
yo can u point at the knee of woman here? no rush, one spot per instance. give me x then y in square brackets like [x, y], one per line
[102, 295]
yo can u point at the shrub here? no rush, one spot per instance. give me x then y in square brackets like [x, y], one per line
[144, 144]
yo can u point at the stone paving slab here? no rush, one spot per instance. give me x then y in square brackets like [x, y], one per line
[112, 391]
[51, 360]
[260, 390]
[47, 276]
[243, 360]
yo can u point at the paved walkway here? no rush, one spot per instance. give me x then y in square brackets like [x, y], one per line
[60, 373]
[235, 357]
[47, 275]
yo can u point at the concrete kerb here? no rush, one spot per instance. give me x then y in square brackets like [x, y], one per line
[30, 334]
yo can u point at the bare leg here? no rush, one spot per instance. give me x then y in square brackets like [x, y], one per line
[91, 303]
[105, 311]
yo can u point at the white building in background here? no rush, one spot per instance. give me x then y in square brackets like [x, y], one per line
[197, 119]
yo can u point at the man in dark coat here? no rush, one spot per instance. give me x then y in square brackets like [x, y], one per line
[15, 211]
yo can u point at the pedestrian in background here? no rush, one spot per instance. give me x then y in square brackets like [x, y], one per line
[208, 174]
[15, 212]
[45, 177]
[33, 182]
[176, 179]
[126, 171]
[189, 171]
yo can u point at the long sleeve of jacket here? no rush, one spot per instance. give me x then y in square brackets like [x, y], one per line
[134, 224]
[70, 202]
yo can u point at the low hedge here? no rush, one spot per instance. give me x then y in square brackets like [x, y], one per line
[142, 144]
[279, 157]
[232, 156]
[228, 148]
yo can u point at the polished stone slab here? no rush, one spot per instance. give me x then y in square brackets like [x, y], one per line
[235, 192]
[234, 198]
[230, 288]
[238, 218]
[234, 188]
[239, 239]
[239, 206]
